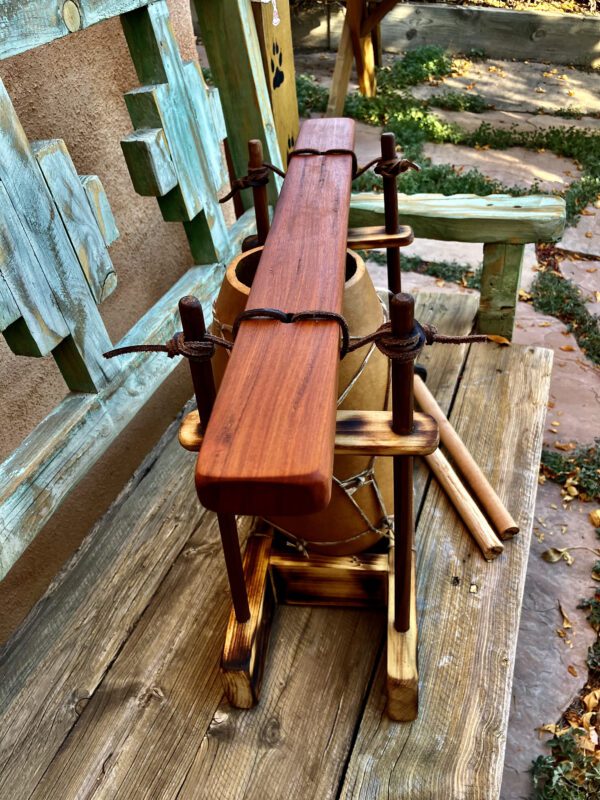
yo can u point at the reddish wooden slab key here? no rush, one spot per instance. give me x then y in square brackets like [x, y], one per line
[269, 445]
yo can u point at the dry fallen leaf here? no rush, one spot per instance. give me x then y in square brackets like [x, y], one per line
[571, 670]
[565, 446]
[554, 554]
[588, 235]
[591, 700]
[566, 620]
[502, 340]
[567, 348]
[595, 517]
[524, 296]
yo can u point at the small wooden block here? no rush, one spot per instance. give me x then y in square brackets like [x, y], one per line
[246, 643]
[402, 671]
[371, 237]
[149, 162]
[358, 581]
[357, 433]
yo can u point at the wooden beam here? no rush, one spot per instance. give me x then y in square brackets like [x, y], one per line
[341, 73]
[402, 672]
[379, 12]
[362, 46]
[502, 264]
[356, 433]
[358, 581]
[149, 162]
[229, 35]
[373, 237]
[281, 461]
[246, 643]
[469, 217]
[24, 26]
[278, 62]
[50, 462]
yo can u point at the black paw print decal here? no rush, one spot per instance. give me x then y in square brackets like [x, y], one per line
[276, 64]
[291, 142]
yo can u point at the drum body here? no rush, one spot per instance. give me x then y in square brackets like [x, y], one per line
[362, 492]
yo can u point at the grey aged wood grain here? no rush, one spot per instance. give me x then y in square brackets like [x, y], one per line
[111, 688]
[467, 638]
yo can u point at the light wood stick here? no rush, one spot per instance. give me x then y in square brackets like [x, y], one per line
[469, 511]
[466, 464]
[402, 669]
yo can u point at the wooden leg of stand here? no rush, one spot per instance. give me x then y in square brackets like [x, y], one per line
[246, 643]
[402, 672]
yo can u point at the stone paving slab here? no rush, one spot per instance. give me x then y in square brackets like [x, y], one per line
[522, 86]
[514, 166]
[584, 237]
[543, 686]
[505, 120]
[586, 274]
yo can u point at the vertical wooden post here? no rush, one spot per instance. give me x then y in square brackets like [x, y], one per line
[341, 73]
[390, 200]
[261, 203]
[362, 47]
[402, 672]
[500, 278]
[194, 328]
[402, 318]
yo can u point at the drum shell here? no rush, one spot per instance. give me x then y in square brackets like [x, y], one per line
[363, 379]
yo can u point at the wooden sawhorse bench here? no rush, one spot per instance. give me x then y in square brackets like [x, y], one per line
[112, 688]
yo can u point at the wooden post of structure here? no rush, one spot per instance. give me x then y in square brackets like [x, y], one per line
[192, 321]
[402, 675]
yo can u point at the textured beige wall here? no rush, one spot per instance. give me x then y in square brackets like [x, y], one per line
[73, 89]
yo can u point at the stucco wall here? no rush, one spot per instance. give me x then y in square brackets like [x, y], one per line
[73, 89]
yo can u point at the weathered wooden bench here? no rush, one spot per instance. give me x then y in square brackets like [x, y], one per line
[111, 687]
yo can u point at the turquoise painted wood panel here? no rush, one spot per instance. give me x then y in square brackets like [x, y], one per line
[41, 472]
[39, 326]
[80, 223]
[96, 196]
[9, 310]
[84, 337]
[174, 98]
[149, 162]
[25, 24]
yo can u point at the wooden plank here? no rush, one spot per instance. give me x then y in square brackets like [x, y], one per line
[467, 639]
[373, 237]
[554, 36]
[24, 26]
[358, 581]
[140, 733]
[174, 98]
[341, 73]
[362, 47]
[9, 310]
[49, 463]
[94, 190]
[356, 433]
[277, 52]
[149, 162]
[80, 223]
[282, 462]
[51, 668]
[402, 675]
[229, 35]
[40, 325]
[500, 278]
[246, 643]
[79, 354]
[468, 217]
